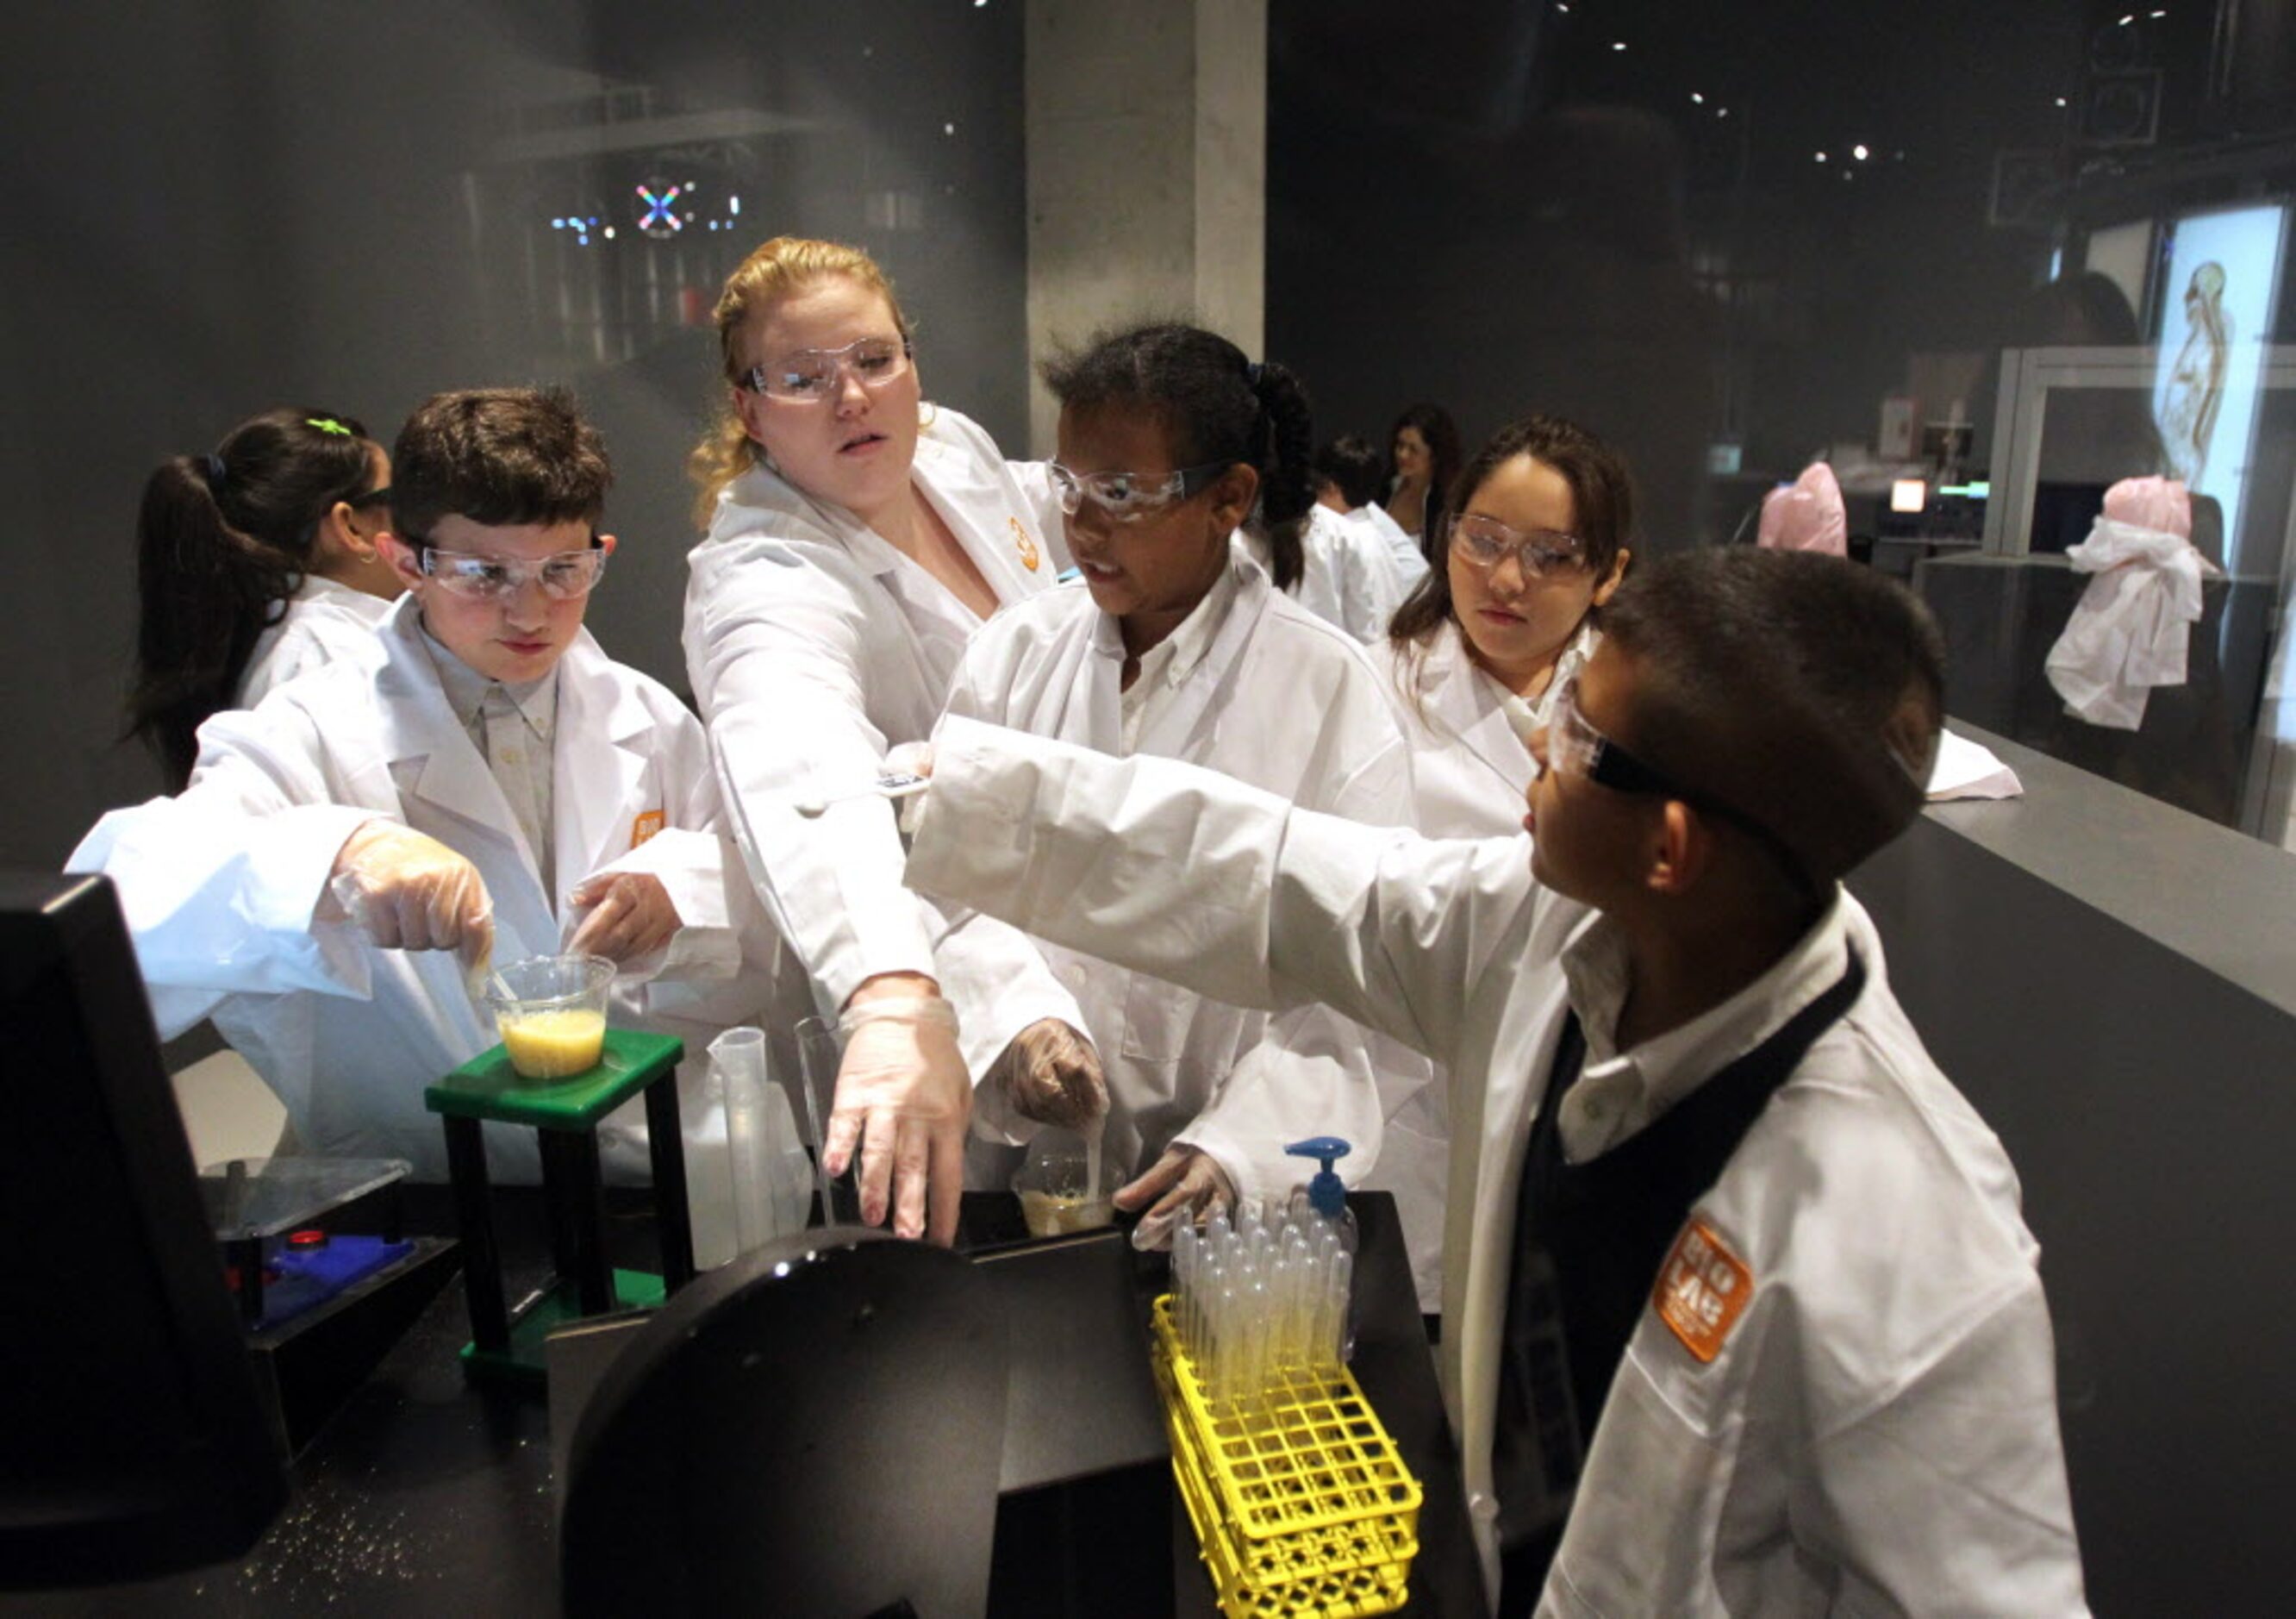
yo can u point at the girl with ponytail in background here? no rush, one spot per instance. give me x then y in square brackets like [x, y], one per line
[255, 561]
[1175, 642]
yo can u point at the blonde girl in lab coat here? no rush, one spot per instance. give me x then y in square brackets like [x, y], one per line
[254, 561]
[855, 538]
[1175, 642]
[1535, 541]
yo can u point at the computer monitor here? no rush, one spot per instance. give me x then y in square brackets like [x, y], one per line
[133, 1441]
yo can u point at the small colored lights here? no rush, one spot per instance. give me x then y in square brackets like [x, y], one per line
[1860, 152]
[1696, 100]
[1617, 44]
[1821, 157]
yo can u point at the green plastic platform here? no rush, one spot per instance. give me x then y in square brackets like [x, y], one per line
[565, 1114]
[488, 1086]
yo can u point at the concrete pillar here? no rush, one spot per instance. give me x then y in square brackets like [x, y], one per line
[1147, 131]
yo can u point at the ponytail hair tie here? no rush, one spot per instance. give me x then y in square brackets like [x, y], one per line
[211, 465]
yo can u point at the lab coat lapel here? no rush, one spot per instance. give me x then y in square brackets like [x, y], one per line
[1171, 731]
[1076, 698]
[1490, 1125]
[442, 778]
[594, 806]
[978, 503]
[1467, 704]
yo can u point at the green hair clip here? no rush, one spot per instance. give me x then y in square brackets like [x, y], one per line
[328, 424]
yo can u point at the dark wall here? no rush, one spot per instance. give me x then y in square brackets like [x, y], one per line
[1492, 207]
[221, 206]
[2143, 1100]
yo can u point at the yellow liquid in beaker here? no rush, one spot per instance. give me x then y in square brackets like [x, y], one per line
[552, 1044]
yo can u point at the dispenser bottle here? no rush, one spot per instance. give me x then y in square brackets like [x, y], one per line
[1323, 1201]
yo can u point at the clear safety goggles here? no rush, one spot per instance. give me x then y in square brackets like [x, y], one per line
[1574, 747]
[1538, 553]
[567, 577]
[811, 374]
[1129, 496]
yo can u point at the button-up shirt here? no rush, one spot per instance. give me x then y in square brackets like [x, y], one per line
[513, 727]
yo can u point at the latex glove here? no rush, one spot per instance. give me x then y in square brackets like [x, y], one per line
[410, 893]
[630, 914]
[904, 1094]
[1185, 1183]
[1052, 1075]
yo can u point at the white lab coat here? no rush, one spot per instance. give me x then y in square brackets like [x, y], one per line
[324, 623]
[2133, 625]
[219, 883]
[1402, 549]
[1878, 1433]
[814, 647]
[1275, 697]
[1346, 576]
[1470, 776]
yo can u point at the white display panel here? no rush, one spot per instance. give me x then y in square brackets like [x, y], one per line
[2221, 286]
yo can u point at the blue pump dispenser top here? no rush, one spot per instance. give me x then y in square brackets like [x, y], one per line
[1327, 1194]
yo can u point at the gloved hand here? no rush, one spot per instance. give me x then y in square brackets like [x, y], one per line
[410, 893]
[630, 914]
[1187, 1183]
[903, 1092]
[1052, 1075]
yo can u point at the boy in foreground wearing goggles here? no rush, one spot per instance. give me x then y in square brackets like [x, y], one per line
[1740, 1314]
[351, 854]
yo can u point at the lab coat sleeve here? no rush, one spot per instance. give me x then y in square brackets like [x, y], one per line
[1949, 1496]
[219, 883]
[1314, 1072]
[778, 643]
[992, 970]
[1172, 869]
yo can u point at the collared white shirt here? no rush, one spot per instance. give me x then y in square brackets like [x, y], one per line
[1167, 665]
[1621, 1093]
[513, 727]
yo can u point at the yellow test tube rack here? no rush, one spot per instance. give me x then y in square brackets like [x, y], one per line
[1299, 1499]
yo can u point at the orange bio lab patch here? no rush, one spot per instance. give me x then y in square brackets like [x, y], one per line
[646, 826]
[1024, 545]
[1703, 1289]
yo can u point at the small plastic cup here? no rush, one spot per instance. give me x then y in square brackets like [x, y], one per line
[551, 1012]
[1054, 1188]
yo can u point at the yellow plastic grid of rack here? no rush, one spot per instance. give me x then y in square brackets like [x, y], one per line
[1299, 1499]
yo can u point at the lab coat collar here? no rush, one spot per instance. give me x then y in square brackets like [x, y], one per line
[1621, 1093]
[1176, 657]
[536, 701]
[1454, 691]
[948, 473]
[358, 603]
[428, 749]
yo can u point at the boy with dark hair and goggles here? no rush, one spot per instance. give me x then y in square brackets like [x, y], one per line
[1704, 1175]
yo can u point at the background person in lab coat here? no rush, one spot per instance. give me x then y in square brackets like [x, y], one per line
[1349, 476]
[1801, 1329]
[1535, 539]
[1177, 643]
[347, 852]
[254, 561]
[1422, 460]
[856, 540]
